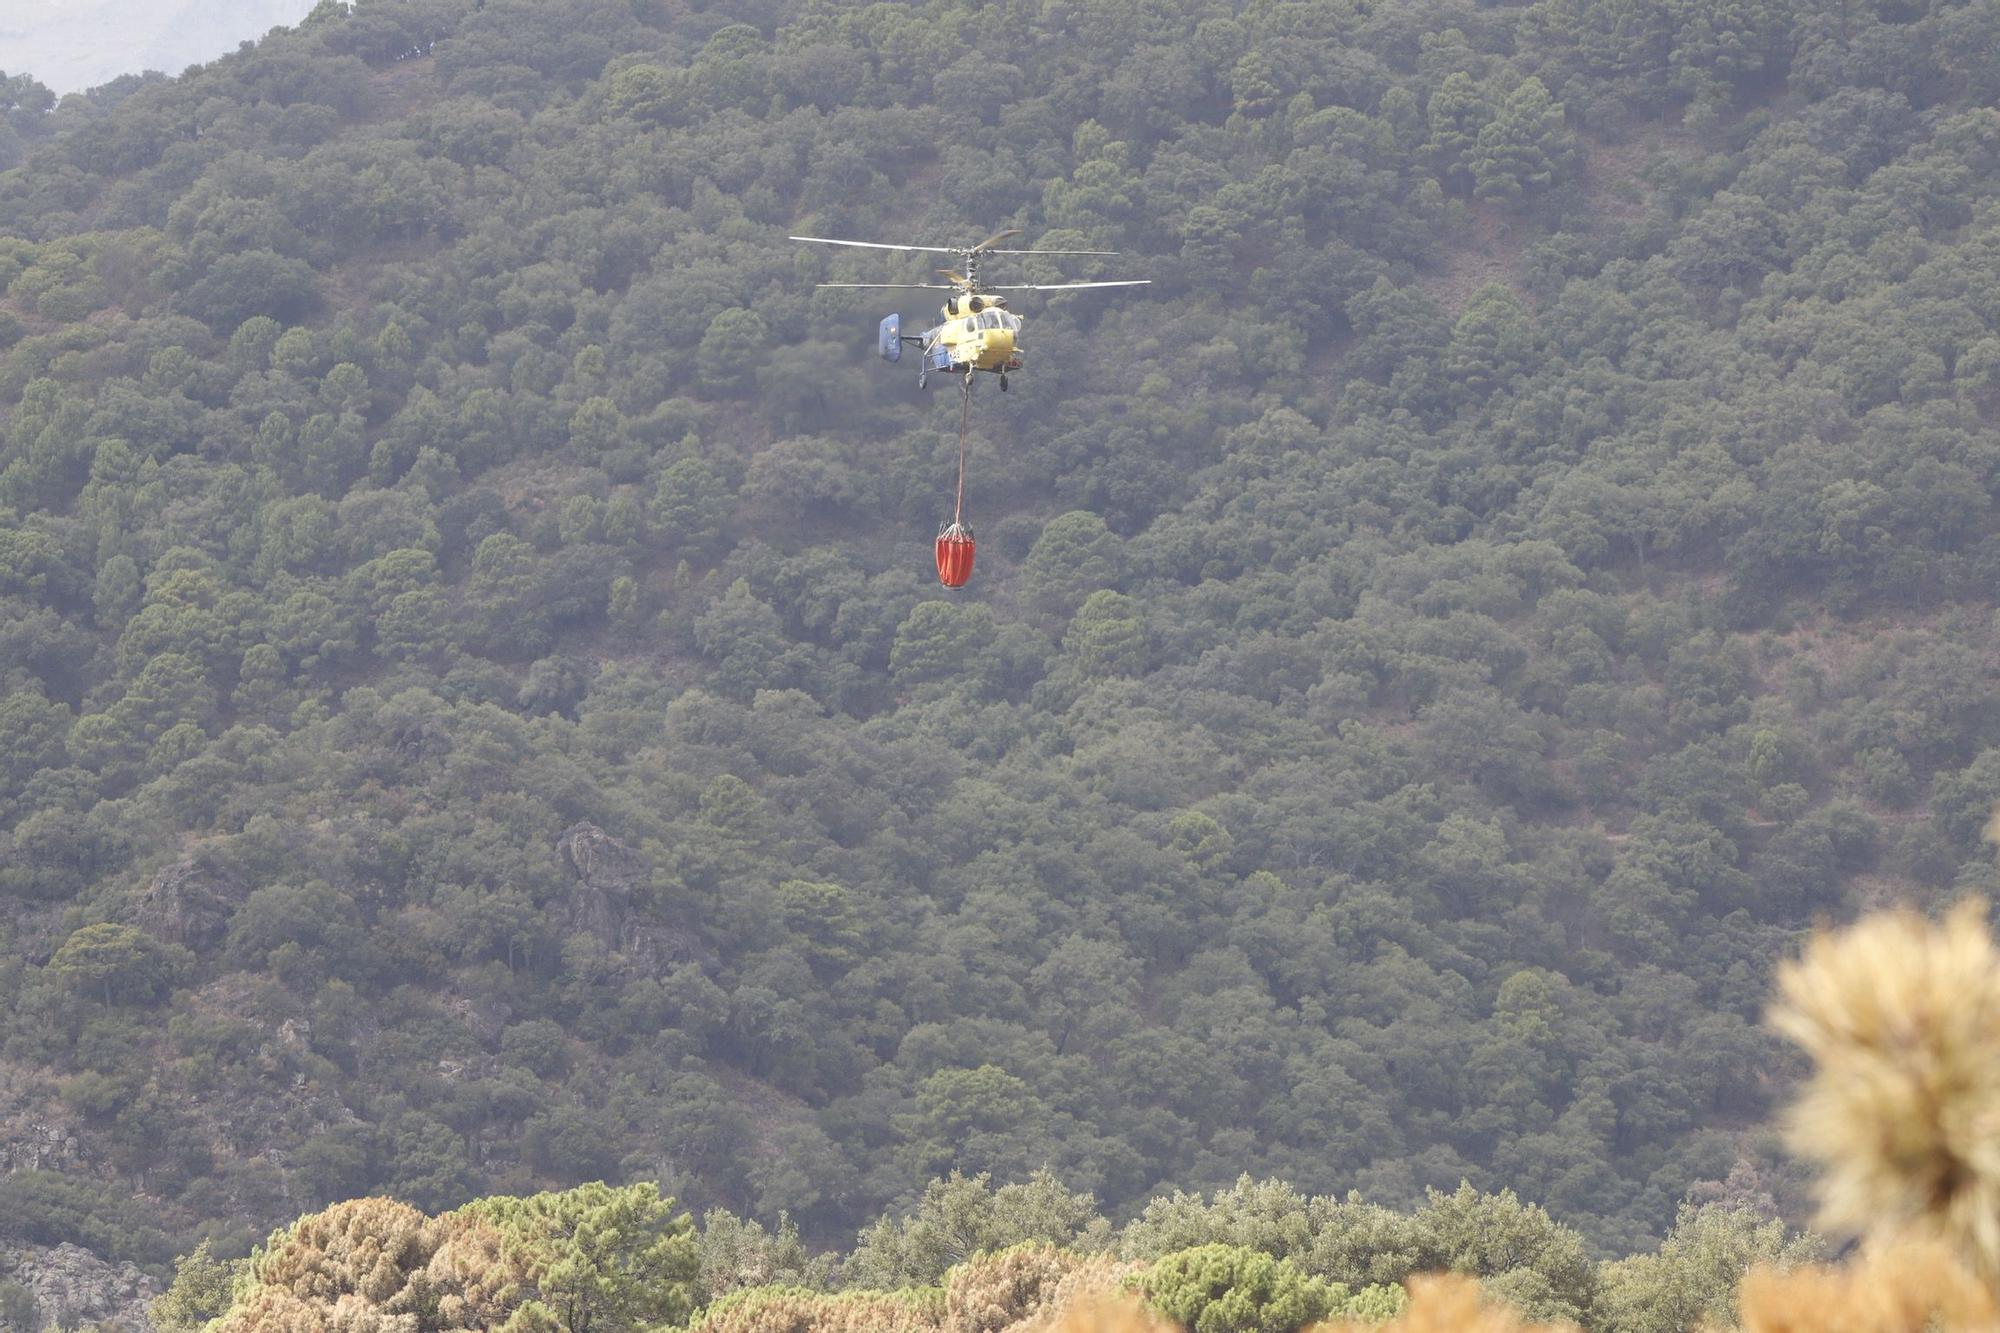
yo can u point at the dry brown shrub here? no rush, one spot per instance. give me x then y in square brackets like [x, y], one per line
[988, 1292]
[379, 1266]
[1448, 1303]
[1895, 1289]
[1902, 1019]
[478, 1278]
[798, 1310]
[1101, 1312]
[364, 1247]
[276, 1310]
[1091, 1288]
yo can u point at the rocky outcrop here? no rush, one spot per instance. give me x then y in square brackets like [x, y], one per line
[37, 1131]
[73, 1288]
[38, 1145]
[601, 860]
[607, 873]
[189, 903]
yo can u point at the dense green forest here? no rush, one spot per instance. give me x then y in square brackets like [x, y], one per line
[477, 716]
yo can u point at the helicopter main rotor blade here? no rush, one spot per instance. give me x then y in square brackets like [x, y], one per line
[996, 236]
[981, 249]
[891, 286]
[956, 277]
[878, 245]
[1067, 286]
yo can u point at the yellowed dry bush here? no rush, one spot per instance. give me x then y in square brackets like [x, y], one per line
[1091, 1287]
[798, 1310]
[1448, 1303]
[1894, 1289]
[1902, 1018]
[988, 1292]
[364, 1247]
[276, 1310]
[479, 1279]
[1102, 1312]
[379, 1266]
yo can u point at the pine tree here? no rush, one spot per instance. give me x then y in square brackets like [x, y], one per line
[1492, 342]
[1458, 115]
[1521, 150]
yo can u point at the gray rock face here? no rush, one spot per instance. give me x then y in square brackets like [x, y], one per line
[28, 1144]
[188, 903]
[73, 1288]
[600, 860]
[607, 872]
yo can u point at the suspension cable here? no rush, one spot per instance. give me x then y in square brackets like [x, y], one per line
[964, 417]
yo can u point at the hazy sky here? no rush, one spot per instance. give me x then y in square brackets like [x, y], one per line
[71, 45]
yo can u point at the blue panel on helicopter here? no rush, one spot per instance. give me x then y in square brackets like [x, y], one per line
[940, 355]
[889, 341]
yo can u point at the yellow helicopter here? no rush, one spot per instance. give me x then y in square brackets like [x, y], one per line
[975, 329]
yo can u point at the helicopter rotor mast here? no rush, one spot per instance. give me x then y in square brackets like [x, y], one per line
[972, 256]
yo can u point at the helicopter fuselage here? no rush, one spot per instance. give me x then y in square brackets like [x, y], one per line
[975, 333]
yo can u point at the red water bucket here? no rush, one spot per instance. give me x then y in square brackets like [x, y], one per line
[954, 555]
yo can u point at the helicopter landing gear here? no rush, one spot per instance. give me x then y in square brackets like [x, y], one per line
[923, 377]
[1003, 381]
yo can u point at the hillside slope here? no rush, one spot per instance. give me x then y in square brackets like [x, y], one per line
[477, 716]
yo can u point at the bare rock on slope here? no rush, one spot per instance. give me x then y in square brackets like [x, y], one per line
[189, 903]
[73, 1288]
[607, 872]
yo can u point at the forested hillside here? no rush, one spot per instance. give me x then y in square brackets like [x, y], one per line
[478, 717]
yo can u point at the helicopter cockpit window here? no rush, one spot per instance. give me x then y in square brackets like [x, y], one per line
[1009, 320]
[990, 320]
